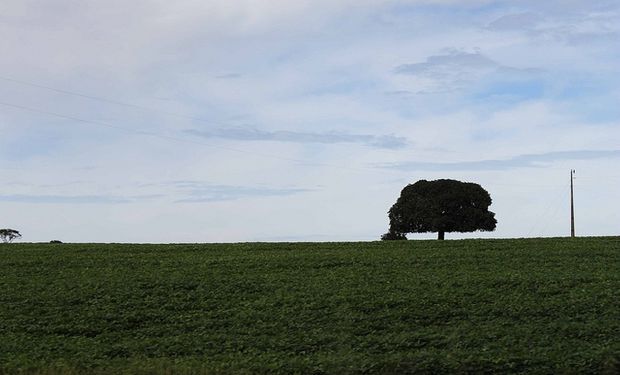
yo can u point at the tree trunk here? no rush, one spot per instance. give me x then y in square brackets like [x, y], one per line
[440, 235]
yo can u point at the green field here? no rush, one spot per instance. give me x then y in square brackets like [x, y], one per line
[470, 306]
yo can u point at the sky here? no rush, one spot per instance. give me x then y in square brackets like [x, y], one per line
[302, 120]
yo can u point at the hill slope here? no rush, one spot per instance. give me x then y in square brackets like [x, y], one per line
[510, 306]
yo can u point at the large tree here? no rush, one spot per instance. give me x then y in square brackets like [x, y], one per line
[442, 206]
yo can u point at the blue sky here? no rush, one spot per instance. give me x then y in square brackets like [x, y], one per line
[218, 121]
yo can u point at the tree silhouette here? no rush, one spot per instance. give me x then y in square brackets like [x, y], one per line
[8, 235]
[442, 206]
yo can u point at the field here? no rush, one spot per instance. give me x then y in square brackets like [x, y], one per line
[470, 306]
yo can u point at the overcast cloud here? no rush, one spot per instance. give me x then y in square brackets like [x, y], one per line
[246, 120]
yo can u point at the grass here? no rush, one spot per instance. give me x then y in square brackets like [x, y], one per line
[470, 306]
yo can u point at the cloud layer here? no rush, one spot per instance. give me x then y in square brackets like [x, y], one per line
[308, 117]
[253, 134]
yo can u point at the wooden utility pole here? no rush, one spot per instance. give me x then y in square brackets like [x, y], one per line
[572, 205]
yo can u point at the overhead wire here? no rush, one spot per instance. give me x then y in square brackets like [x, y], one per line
[563, 197]
[107, 100]
[225, 148]
[123, 103]
[177, 139]
[175, 114]
[552, 204]
[184, 140]
[136, 106]
[231, 149]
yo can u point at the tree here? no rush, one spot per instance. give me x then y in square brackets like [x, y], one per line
[8, 235]
[442, 206]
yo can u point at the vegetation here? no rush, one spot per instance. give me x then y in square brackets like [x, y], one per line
[8, 235]
[393, 236]
[470, 306]
[441, 206]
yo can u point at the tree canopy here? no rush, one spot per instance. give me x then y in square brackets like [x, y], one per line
[8, 235]
[441, 206]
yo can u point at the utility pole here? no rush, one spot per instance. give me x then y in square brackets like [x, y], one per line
[572, 205]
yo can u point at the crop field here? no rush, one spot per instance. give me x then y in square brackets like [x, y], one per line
[467, 306]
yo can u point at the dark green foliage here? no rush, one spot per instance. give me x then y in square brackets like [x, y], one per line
[55, 241]
[8, 235]
[393, 236]
[442, 206]
[543, 306]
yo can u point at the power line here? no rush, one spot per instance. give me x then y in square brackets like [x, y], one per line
[522, 185]
[265, 155]
[127, 104]
[231, 149]
[107, 100]
[151, 134]
[180, 115]
[559, 202]
[551, 204]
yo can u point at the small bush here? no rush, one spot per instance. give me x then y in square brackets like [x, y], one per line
[393, 236]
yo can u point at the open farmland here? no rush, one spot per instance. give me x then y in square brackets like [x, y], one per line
[470, 306]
